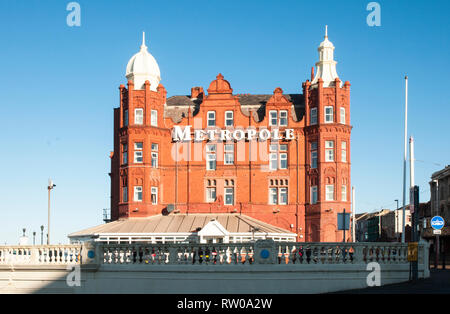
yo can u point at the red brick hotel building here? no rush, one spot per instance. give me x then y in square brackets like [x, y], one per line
[283, 159]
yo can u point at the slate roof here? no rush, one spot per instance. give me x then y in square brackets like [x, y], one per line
[182, 102]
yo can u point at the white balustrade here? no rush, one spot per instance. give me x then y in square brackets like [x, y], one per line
[283, 253]
[40, 255]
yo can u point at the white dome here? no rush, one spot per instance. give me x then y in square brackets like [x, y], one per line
[142, 67]
[326, 67]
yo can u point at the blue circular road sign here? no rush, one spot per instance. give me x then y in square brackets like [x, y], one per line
[437, 222]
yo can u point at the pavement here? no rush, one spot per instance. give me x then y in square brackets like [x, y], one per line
[438, 283]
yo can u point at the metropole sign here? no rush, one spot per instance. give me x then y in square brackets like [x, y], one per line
[184, 135]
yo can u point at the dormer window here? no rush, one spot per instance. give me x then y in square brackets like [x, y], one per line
[273, 116]
[283, 118]
[211, 118]
[229, 121]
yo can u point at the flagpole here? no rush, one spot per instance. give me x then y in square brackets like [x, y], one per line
[404, 160]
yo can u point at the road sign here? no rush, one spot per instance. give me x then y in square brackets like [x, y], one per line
[437, 223]
[412, 251]
[437, 231]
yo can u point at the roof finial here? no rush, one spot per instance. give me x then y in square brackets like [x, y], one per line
[326, 31]
[143, 46]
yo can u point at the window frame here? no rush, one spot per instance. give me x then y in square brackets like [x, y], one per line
[227, 119]
[154, 191]
[280, 118]
[141, 116]
[327, 115]
[125, 117]
[208, 119]
[342, 115]
[225, 195]
[138, 151]
[331, 187]
[154, 117]
[329, 151]
[124, 194]
[280, 189]
[313, 116]
[314, 191]
[138, 193]
[344, 193]
[344, 151]
[271, 119]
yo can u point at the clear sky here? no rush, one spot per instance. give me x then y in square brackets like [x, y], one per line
[59, 85]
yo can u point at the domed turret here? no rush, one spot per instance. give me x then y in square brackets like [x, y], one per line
[326, 67]
[142, 67]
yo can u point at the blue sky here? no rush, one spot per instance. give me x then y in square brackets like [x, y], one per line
[59, 86]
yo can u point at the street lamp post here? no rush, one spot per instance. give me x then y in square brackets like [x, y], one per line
[42, 234]
[49, 188]
[34, 237]
[397, 229]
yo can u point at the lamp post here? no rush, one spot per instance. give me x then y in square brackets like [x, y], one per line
[396, 221]
[34, 237]
[49, 188]
[42, 234]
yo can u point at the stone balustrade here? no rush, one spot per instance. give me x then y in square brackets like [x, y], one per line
[259, 252]
[40, 255]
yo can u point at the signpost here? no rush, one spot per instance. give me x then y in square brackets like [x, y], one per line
[437, 223]
[343, 222]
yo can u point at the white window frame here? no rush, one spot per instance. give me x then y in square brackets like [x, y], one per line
[139, 116]
[329, 151]
[283, 157]
[226, 193]
[154, 118]
[329, 192]
[137, 193]
[314, 195]
[154, 192]
[344, 151]
[154, 155]
[273, 118]
[342, 116]
[228, 158]
[344, 193]
[313, 116]
[138, 153]
[329, 117]
[229, 121]
[273, 196]
[273, 161]
[211, 119]
[285, 113]
[282, 191]
[210, 190]
[211, 156]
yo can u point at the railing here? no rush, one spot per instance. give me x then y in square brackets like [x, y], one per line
[259, 252]
[40, 255]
